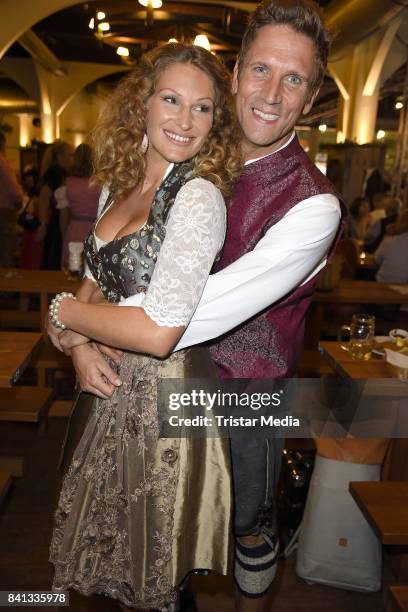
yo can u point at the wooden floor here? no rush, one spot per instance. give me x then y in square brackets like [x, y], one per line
[26, 523]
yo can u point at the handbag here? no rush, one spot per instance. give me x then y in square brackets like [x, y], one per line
[27, 220]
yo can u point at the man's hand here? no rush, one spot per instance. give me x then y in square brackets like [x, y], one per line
[68, 339]
[94, 374]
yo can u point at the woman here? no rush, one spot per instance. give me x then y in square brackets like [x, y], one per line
[31, 252]
[136, 512]
[55, 165]
[77, 201]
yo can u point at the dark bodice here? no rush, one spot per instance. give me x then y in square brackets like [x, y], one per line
[124, 266]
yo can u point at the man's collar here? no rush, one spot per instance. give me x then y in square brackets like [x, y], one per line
[251, 161]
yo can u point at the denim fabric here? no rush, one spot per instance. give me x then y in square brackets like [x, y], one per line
[256, 464]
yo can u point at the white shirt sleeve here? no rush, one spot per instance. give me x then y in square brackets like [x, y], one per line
[102, 201]
[195, 233]
[291, 252]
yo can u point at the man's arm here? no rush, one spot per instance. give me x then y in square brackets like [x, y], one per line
[291, 252]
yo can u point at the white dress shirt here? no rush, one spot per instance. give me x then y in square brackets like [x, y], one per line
[291, 252]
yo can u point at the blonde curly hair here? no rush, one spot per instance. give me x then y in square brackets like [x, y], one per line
[119, 160]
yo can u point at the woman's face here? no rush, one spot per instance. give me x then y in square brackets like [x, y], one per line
[179, 114]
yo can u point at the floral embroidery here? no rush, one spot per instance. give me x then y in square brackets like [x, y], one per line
[114, 522]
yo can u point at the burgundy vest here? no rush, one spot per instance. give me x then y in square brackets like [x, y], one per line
[270, 344]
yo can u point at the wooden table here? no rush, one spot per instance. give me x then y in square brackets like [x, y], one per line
[362, 292]
[16, 350]
[349, 292]
[343, 364]
[385, 506]
[399, 598]
[43, 282]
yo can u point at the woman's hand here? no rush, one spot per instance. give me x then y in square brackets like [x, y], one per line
[54, 334]
[68, 339]
[108, 351]
[94, 374]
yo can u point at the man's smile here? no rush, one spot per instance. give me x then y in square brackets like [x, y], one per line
[265, 116]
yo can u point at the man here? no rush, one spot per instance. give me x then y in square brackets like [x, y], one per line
[11, 195]
[283, 220]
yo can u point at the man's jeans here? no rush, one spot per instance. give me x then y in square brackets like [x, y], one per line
[256, 463]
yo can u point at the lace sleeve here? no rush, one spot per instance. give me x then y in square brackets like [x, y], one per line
[195, 233]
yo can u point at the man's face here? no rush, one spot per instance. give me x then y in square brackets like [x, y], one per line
[273, 88]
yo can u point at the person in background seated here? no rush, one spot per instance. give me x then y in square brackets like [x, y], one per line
[392, 254]
[56, 162]
[377, 231]
[77, 201]
[359, 218]
[11, 195]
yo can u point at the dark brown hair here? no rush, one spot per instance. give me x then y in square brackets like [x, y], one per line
[82, 165]
[303, 16]
[119, 158]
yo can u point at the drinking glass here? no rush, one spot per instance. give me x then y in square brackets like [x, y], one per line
[361, 335]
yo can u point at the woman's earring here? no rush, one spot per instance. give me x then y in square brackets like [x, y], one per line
[145, 143]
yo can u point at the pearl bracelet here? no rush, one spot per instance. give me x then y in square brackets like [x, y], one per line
[53, 310]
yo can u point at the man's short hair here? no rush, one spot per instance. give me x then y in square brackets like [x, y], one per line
[303, 16]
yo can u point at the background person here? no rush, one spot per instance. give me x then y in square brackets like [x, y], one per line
[392, 254]
[77, 201]
[31, 252]
[376, 231]
[11, 196]
[56, 162]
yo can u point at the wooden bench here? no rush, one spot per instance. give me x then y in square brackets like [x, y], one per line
[20, 319]
[5, 482]
[399, 598]
[26, 404]
[50, 358]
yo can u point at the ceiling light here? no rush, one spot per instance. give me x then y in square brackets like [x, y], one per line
[172, 40]
[100, 15]
[399, 105]
[122, 51]
[201, 40]
[91, 24]
[103, 26]
[380, 134]
[322, 128]
[155, 4]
